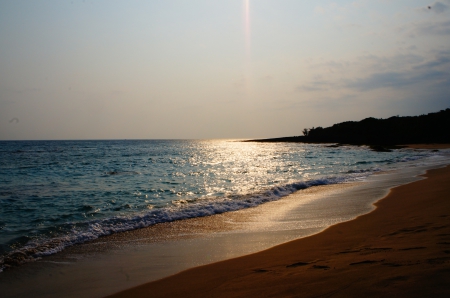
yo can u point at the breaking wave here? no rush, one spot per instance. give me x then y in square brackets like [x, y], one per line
[77, 233]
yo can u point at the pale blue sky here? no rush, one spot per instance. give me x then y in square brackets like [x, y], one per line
[187, 69]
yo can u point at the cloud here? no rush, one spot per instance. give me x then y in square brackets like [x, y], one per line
[383, 63]
[397, 80]
[379, 80]
[441, 60]
[439, 7]
[434, 72]
[317, 84]
[436, 28]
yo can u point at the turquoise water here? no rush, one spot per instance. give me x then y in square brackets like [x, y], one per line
[54, 194]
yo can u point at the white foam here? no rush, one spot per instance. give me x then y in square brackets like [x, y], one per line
[196, 208]
[189, 209]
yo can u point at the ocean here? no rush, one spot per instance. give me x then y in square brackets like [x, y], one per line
[55, 194]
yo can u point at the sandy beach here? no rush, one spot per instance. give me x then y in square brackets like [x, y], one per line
[401, 249]
[224, 149]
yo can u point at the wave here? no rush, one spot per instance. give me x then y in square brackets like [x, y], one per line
[361, 171]
[82, 232]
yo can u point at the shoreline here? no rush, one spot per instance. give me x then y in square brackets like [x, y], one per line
[120, 261]
[400, 248]
[125, 260]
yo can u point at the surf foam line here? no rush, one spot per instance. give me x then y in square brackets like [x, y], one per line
[91, 230]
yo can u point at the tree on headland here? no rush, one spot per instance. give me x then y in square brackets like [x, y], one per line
[396, 130]
[430, 128]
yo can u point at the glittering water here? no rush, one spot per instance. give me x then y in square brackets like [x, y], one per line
[58, 193]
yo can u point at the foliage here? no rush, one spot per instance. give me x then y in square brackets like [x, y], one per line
[430, 128]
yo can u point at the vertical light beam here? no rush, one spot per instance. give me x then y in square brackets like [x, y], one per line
[247, 26]
[247, 47]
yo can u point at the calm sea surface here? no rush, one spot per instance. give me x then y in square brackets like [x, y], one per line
[54, 194]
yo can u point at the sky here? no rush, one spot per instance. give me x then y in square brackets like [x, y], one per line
[201, 69]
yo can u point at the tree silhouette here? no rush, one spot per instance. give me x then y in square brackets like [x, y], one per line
[396, 130]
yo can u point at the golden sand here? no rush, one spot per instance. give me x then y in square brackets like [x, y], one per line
[401, 249]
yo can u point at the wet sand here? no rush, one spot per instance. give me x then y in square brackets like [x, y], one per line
[401, 249]
[120, 261]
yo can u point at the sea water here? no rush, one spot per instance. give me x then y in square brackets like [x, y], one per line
[54, 194]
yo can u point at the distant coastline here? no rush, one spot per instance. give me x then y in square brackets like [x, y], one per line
[379, 134]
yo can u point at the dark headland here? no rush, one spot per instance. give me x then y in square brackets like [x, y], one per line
[380, 134]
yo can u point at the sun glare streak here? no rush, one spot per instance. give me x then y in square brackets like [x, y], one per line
[247, 46]
[247, 26]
